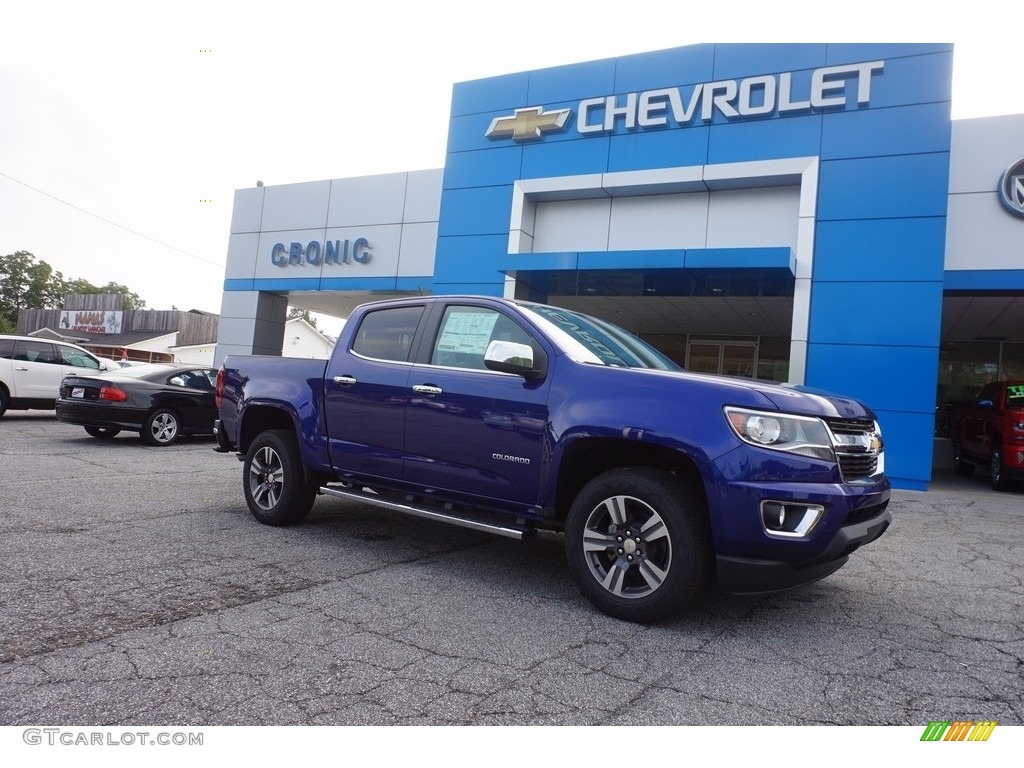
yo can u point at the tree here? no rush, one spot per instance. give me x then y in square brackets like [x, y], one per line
[29, 284]
[25, 283]
[303, 313]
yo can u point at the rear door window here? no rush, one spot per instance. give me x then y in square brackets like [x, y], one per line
[387, 334]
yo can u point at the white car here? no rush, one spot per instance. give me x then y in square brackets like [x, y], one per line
[31, 370]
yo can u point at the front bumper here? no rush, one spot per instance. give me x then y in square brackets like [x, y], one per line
[741, 575]
[754, 557]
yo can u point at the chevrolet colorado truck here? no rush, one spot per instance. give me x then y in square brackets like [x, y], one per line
[513, 417]
[990, 433]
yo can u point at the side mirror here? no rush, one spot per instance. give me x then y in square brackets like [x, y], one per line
[511, 357]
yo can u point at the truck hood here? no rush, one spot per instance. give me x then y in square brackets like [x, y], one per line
[789, 398]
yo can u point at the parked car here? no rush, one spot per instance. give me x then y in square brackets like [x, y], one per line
[160, 401]
[990, 433]
[31, 370]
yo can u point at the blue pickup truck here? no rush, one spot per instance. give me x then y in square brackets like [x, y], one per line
[513, 417]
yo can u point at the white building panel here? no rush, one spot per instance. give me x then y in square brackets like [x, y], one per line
[242, 257]
[265, 267]
[658, 222]
[248, 210]
[423, 196]
[981, 149]
[367, 200]
[572, 225]
[296, 206]
[416, 257]
[754, 218]
[385, 245]
[982, 234]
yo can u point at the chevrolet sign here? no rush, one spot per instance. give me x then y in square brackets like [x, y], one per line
[748, 97]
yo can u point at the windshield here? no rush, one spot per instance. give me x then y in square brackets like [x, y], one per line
[590, 340]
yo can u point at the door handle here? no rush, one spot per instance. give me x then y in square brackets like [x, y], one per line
[21, 369]
[345, 381]
[427, 389]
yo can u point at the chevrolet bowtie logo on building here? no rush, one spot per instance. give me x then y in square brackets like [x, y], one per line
[528, 123]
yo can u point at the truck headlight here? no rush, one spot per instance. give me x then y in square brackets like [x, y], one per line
[803, 435]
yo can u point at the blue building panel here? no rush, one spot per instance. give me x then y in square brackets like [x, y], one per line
[889, 131]
[913, 80]
[864, 250]
[565, 158]
[469, 258]
[476, 211]
[470, 169]
[765, 139]
[891, 314]
[984, 280]
[889, 378]
[658, 148]
[672, 258]
[468, 132]
[491, 93]
[908, 448]
[739, 258]
[846, 53]
[665, 69]
[884, 187]
[739, 60]
[574, 81]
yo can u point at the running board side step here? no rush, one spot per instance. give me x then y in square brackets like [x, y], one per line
[508, 531]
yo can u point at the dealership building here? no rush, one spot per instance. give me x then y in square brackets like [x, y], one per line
[796, 212]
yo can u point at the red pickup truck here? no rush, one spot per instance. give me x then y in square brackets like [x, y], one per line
[991, 433]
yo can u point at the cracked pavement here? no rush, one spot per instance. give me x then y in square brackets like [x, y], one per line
[136, 589]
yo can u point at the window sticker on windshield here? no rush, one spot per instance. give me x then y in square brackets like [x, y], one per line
[467, 332]
[1016, 391]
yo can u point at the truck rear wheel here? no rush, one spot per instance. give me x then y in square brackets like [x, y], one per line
[274, 481]
[638, 544]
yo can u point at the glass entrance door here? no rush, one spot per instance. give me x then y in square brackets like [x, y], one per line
[731, 358]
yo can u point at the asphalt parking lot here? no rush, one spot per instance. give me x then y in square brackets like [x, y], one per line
[135, 588]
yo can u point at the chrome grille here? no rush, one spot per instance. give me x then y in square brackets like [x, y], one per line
[853, 440]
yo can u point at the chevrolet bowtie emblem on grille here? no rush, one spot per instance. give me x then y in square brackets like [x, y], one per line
[527, 123]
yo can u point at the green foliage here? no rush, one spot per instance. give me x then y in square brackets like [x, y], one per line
[303, 313]
[26, 283]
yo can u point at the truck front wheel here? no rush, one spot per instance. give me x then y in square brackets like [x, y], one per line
[638, 544]
[273, 479]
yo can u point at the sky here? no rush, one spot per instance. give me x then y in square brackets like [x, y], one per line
[126, 127]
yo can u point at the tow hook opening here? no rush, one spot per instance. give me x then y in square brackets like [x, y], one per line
[790, 519]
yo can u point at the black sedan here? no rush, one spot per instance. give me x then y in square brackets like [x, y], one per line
[159, 401]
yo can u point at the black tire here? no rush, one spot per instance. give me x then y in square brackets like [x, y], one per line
[274, 481]
[103, 433]
[638, 544]
[4, 400]
[996, 470]
[961, 467]
[162, 427]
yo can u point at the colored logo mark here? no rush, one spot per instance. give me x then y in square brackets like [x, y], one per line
[528, 123]
[958, 730]
[1011, 188]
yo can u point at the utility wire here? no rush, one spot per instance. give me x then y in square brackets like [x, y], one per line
[108, 221]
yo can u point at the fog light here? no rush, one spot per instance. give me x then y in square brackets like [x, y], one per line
[789, 520]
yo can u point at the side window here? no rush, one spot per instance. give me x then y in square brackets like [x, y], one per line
[387, 334]
[465, 333]
[35, 352]
[77, 358]
[190, 379]
[6, 349]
